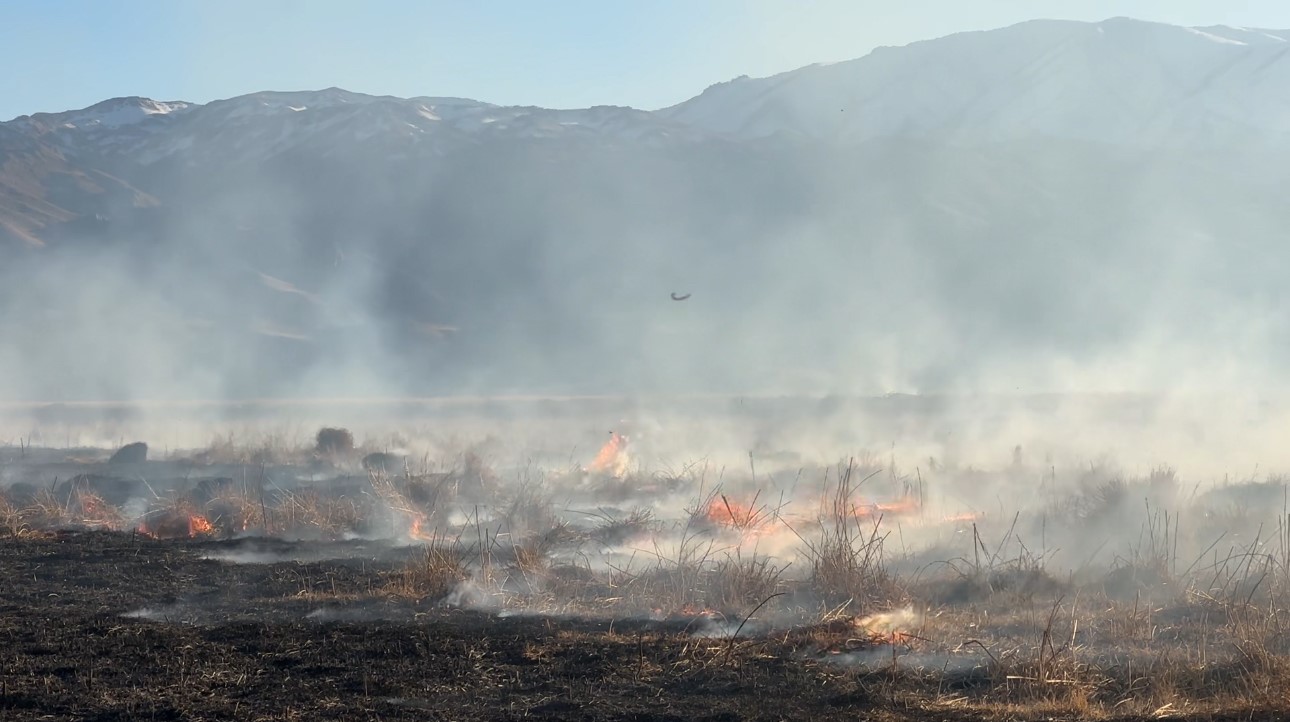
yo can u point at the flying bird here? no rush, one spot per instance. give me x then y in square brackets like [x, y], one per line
[680, 298]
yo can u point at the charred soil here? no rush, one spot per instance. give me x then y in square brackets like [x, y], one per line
[112, 626]
[118, 626]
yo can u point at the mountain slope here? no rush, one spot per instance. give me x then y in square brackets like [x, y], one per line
[1048, 206]
[1119, 81]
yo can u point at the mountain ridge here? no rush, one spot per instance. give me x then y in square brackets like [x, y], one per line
[1222, 33]
[1002, 209]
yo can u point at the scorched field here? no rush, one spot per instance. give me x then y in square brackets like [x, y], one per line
[338, 575]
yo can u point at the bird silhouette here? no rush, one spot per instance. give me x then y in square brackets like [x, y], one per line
[680, 298]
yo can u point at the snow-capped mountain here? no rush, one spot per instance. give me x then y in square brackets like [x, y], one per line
[1015, 199]
[109, 114]
[1118, 81]
[260, 125]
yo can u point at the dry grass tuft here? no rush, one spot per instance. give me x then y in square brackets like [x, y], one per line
[13, 521]
[437, 571]
[846, 558]
[88, 509]
[45, 511]
[234, 511]
[613, 531]
[329, 517]
[739, 582]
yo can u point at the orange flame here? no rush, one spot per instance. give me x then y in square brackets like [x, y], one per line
[889, 627]
[97, 513]
[611, 457]
[730, 513]
[176, 525]
[199, 525]
[749, 519]
[416, 532]
[903, 507]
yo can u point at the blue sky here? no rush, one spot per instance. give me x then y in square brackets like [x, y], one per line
[62, 54]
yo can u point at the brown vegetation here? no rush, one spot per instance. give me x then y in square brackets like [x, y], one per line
[379, 587]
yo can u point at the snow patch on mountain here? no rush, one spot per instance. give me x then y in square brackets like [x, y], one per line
[114, 113]
[1215, 38]
[1120, 81]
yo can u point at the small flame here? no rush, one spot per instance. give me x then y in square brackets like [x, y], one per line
[416, 531]
[727, 512]
[199, 525]
[686, 611]
[94, 512]
[612, 457]
[176, 525]
[903, 507]
[890, 627]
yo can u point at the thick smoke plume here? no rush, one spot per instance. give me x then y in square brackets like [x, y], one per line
[545, 265]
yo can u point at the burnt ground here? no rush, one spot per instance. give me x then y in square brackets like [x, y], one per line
[116, 626]
[235, 641]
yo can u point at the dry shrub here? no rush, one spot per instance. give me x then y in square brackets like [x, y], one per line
[531, 556]
[334, 441]
[89, 509]
[573, 582]
[989, 573]
[531, 559]
[435, 573]
[45, 511]
[12, 523]
[407, 500]
[263, 449]
[676, 581]
[738, 583]
[529, 567]
[846, 558]
[617, 531]
[527, 511]
[234, 510]
[475, 480]
[1110, 504]
[326, 516]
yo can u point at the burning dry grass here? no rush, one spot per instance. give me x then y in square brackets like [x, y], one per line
[175, 518]
[983, 626]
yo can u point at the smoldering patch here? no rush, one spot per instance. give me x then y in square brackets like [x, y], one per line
[166, 614]
[895, 658]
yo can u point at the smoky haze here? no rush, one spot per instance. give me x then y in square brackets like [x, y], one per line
[311, 245]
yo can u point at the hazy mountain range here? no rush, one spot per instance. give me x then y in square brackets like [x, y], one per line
[1050, 205]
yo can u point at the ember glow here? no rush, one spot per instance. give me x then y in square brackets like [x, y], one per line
[889, 624]
[176, 524]
[95, 513]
